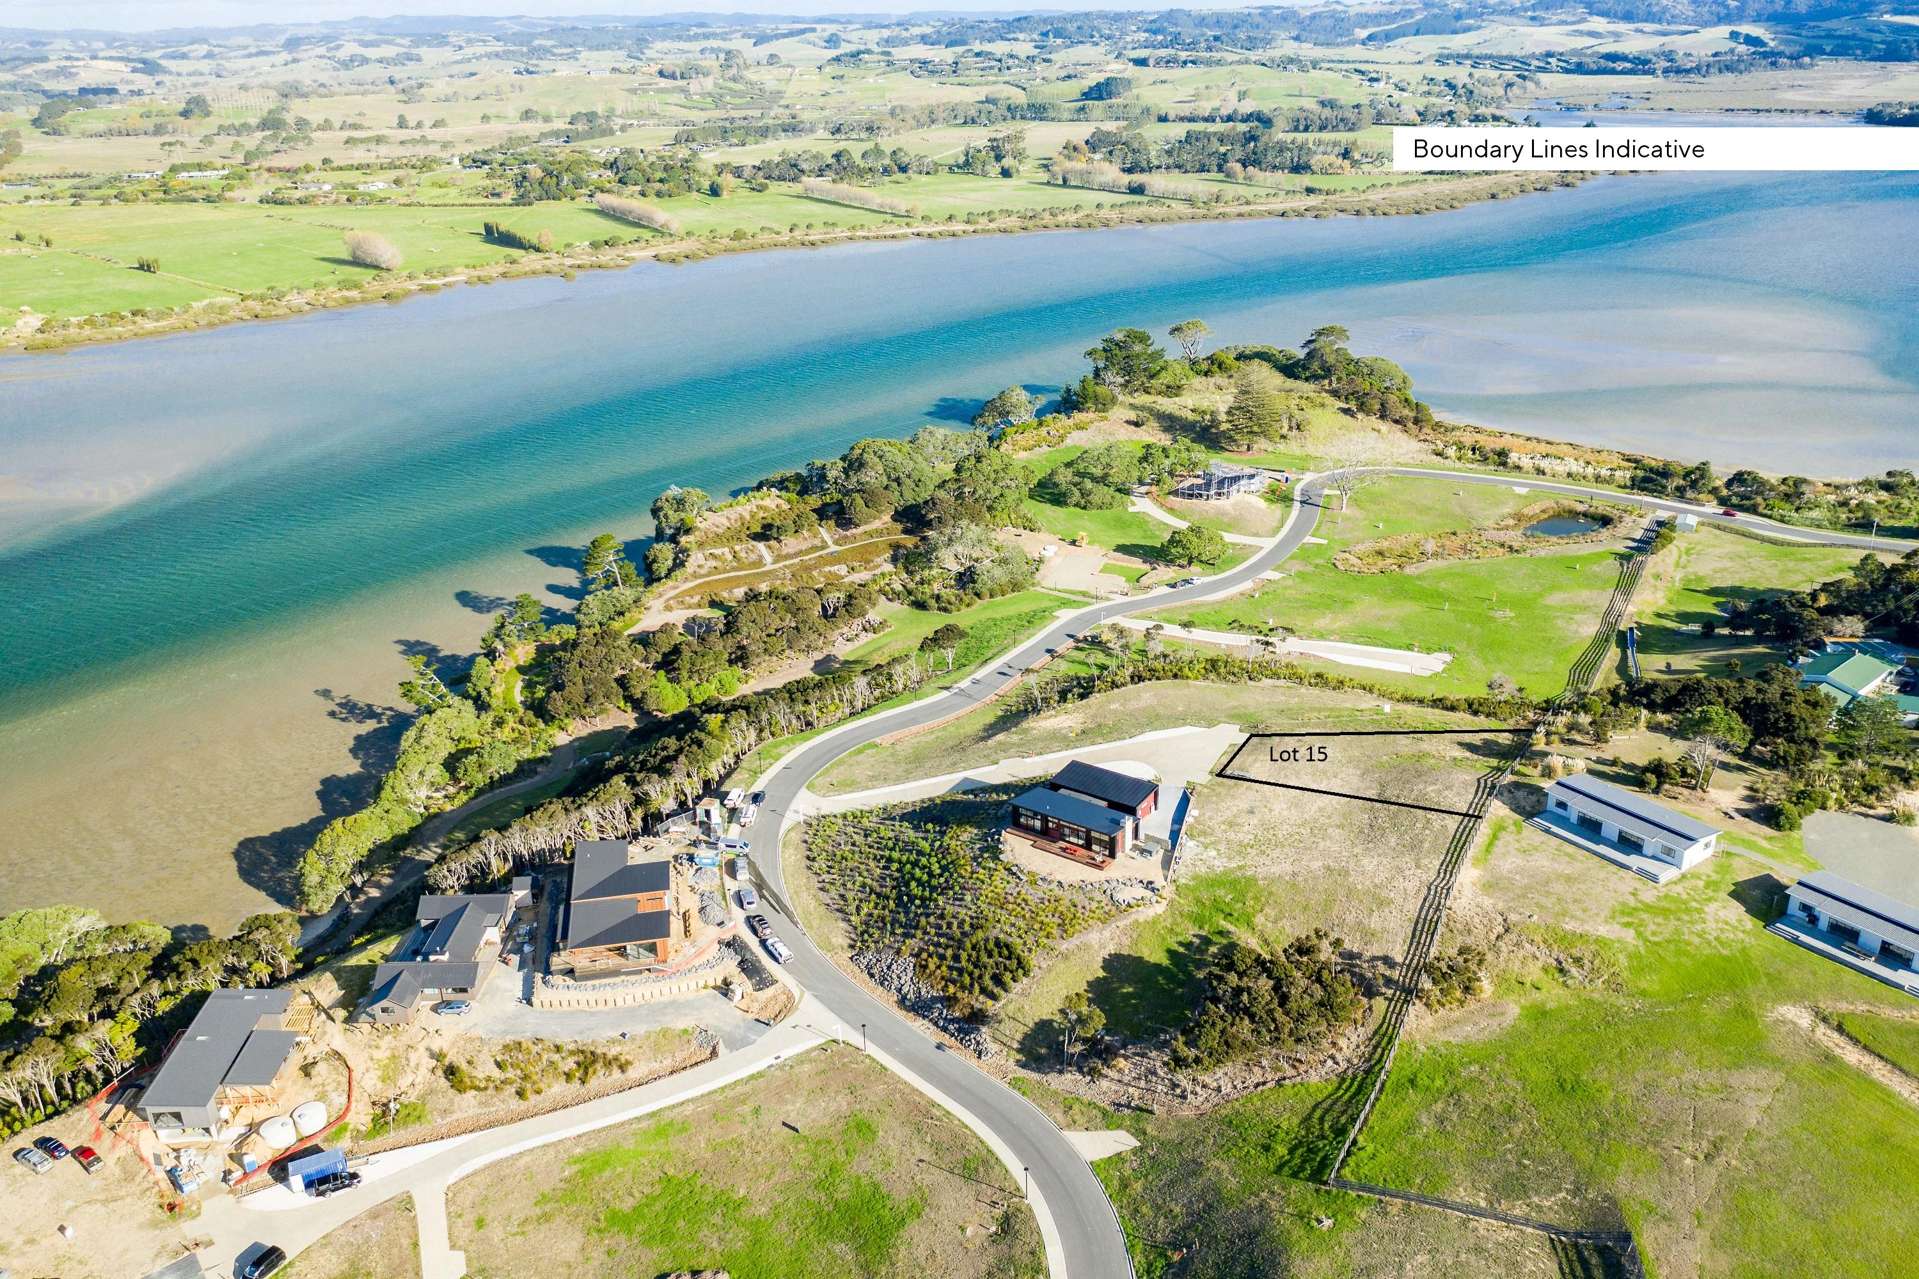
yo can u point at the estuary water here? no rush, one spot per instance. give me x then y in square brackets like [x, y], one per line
[214, 548]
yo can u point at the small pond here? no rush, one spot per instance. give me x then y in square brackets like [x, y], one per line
[1564, 526]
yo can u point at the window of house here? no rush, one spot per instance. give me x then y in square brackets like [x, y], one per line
[1632, 842]
[1562, 806]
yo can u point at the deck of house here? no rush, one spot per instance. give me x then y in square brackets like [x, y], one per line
[1839, 950]
[1650, 867]
[1084, 857]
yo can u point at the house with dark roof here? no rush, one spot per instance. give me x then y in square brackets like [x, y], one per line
[454, 945]
[619, 911]
[1625, 827]
[1085, 813]
[231, 1055]
[1864, 929]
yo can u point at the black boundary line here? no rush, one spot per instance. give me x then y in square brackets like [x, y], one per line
[1227, 773]
[1396, 732]
[1340, 794]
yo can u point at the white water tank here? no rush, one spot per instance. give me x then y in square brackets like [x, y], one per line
[279, 1132]
[308, 1117]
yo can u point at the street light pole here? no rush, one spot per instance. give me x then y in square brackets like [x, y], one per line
[862, 1036]
[1029, 1181]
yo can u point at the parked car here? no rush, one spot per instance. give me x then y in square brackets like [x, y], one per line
[760, 926]
[333, 1183]
[1729, 513]
[748, 898]
[727, 844]
[778, 950]
[749, 815]
[757, 798]
[269, 1262]
[734, 798]
[87, 1157]
[453, 1007]
[30, 1158]
[50, 1147]
[742, 870]
[1187, 581]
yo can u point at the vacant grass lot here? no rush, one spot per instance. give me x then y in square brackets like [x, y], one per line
[1637, 1058]
[823, 1167]
[381, 1243]
[1708, 569]
[1526, 617]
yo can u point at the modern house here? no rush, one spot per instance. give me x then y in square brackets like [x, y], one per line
[1860, 928]
[231, 1055]
[1222, 480]
[453, 946]
[619, 912]
[1625, 827]
[1084, 813]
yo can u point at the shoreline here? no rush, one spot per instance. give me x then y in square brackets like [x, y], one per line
[1392, 201]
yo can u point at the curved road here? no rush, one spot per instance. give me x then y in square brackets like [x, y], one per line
[1084, 1237]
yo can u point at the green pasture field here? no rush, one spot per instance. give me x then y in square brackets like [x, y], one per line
[1641, 1056]
[1525, 617]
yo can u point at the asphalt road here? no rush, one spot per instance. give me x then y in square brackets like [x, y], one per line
[1090, 1237]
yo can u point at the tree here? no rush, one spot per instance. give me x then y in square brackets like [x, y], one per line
[1325, 353]
[677, 510]
[1256, 413]
[425, 690]
[945, 641]
[1087, 395]
[1189, 334]
[1080, 1019]
[1872, 728]
[197, 107]
[1710, 732]
[600, 566]
[1193, 545]
[1127, 360]
[376, 251]
[1009, 407]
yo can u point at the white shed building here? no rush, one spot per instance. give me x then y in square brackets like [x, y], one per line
[1625, 827]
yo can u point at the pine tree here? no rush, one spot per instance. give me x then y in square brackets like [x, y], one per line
[1256, 413]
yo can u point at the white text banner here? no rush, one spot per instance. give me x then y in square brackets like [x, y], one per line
[1747, 148]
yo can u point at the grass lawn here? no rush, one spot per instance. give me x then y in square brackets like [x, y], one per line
[1894, 1038]
[991, 626]
[823, 1166]
[1124, 530]
[1525, 617]
[1638, 1057]
[1710, 568]
[381, 1243]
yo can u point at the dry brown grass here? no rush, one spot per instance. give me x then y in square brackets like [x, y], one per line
[381, 1243]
